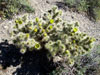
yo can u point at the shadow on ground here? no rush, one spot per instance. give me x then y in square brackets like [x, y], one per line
[62, 5]
[65, 7]
[32, 63]
[9, 55]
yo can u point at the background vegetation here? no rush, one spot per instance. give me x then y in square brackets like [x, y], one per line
[10, 7]
[92, 8]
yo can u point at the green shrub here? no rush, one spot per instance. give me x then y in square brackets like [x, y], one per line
[70, 2]
[10, 7]
[96, 13]
[92, 8]
[82, 6]
[63, 40]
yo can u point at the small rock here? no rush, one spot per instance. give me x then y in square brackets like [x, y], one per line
[48, 2]
[5, 27]
[96, 39]
[57, 58]
[0, 51]
[72, 17]
[1, 67]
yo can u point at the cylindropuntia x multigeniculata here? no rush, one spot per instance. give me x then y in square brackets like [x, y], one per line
[53, 34]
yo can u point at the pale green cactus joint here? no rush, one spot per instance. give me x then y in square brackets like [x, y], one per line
[53, 34]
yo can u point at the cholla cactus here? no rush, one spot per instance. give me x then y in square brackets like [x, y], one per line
[53, 34]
